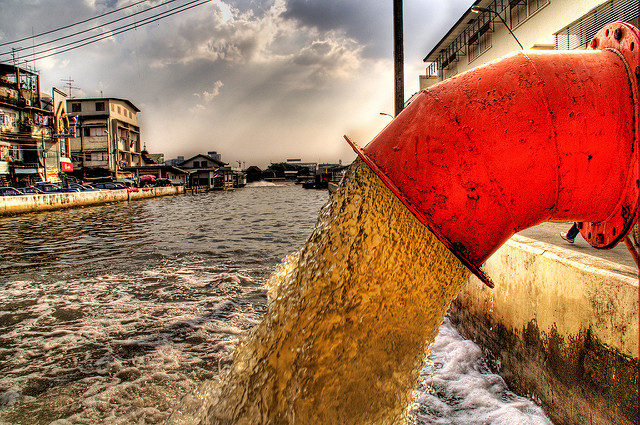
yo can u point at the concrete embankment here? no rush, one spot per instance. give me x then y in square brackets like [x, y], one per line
[559, 327]
[53, 201]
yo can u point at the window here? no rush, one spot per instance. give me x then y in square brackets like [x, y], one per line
[76, 107]
[119, 110]
[522, 9]
[99, 106]
[534, 5]
[196, 164]
[579, 33]
[98, 131]
[480, 46]
[99, 156]
[94, 131]
[130, 115]
[113, 107]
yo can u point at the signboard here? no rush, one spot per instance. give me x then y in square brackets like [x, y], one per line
[52, 173]
[66, 165]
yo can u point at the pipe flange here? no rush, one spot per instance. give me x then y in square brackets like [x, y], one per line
[624, 39]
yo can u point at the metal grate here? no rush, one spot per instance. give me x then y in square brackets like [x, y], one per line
[578, 34]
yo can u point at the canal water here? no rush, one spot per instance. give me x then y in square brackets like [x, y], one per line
[131, 312]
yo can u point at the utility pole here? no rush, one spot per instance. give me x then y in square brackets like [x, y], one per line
[398, 56]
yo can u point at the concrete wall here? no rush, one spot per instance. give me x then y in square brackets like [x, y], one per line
[559, 327]
[54, 201]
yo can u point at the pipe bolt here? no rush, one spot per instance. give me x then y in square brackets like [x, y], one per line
[617, 34]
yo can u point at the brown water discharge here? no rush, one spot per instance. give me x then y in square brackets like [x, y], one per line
[347, 330]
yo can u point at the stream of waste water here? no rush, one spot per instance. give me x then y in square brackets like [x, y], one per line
[347, 331]
[130, 314]
[350, 318]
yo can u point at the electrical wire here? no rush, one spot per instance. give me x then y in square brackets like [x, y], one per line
[72, 25]
[129, 27]
[110, 32]
[87, 30]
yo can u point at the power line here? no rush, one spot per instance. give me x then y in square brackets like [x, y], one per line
[72, 25]
[128, 27]
[92, 28]
[124, 28]
[111, 32]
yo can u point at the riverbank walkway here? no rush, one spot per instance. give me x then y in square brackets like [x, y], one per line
[549, 233]
[54, 201]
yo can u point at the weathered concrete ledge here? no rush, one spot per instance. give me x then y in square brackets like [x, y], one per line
[53, 201]
[559, 327]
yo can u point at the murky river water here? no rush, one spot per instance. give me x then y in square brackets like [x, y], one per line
[112, 314]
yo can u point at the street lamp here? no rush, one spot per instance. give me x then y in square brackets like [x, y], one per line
[476, 9]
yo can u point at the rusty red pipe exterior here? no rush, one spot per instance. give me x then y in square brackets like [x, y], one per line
[532, 137]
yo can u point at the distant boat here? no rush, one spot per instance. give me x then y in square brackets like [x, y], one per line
[320, 182]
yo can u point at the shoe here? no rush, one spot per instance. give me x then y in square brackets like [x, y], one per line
[563, 235]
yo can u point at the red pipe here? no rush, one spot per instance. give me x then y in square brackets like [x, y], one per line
[534, 136]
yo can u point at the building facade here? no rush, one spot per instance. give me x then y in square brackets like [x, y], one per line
[203, 171]
[210, 172]
[30, 130]
[107, 136]
[478, 38]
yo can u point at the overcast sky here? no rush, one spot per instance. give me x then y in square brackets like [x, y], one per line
[258, 81]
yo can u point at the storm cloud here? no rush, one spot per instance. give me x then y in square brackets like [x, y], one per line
[256, 80]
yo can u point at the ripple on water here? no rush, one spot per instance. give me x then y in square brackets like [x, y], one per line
[119, 314]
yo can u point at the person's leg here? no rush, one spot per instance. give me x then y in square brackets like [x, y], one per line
[571, 234]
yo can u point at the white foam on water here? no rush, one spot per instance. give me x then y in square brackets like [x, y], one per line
[119, 348]
[87, 341]
[457, 388]
[264, 183]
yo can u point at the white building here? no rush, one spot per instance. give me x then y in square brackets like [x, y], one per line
[107, 136]
[480, 37]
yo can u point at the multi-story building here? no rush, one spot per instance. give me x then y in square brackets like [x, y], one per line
[107, 136]
[30, 129]
[479, 37]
